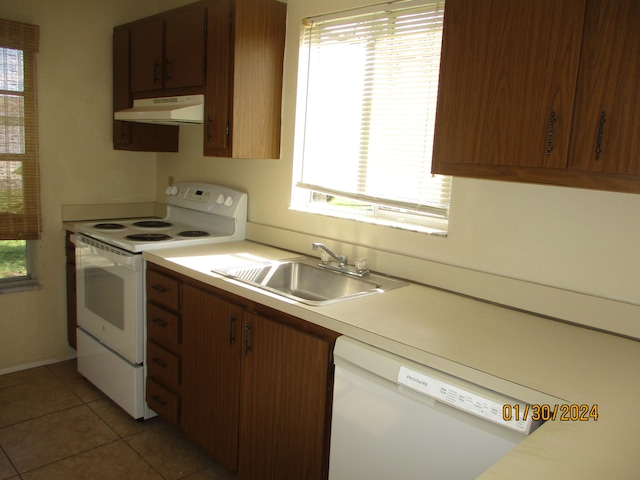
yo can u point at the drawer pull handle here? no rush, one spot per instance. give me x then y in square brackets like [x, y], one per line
[159, 361]
[159, 322]
[159, 288]
[158, 400]
[600, 135]
[552, 121]
[156, 66]
[247, 330]
[232, 329]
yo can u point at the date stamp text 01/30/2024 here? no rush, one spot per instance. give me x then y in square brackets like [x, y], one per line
[566, 412]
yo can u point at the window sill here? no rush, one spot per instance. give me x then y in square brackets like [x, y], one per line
[409, 227]
[12, 286]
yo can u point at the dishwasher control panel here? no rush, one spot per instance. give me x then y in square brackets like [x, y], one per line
[463, 399]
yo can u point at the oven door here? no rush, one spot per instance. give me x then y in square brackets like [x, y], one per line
[110, 296]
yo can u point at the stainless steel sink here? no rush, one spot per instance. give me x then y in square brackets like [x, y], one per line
[304, 281]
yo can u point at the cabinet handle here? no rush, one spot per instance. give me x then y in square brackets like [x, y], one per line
[158, 400]
[159, 361]
[247, 346]
[166, 69]
[159, 322]
[232, 329]
[603, 119]
[156, 66]
[159, 288]
[552, 121]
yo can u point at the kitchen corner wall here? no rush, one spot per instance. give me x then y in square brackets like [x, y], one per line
[567, 253]
[77, 162]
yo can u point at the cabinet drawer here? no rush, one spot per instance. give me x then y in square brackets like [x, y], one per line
[163, 365]
[163, 290]
[163, 326]
[163, 402]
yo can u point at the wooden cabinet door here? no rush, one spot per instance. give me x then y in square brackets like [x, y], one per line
[218, 107]
[606, 134]
[121, 75]
[284, 402]
[147, 54]
[128, 135]
[185, 41]
[211, 373]
[507, 83]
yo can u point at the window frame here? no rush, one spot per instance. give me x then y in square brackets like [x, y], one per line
[23, 282]
[426, 218]
[26, 225]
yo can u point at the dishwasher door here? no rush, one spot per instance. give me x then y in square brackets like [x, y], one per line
[387, 424]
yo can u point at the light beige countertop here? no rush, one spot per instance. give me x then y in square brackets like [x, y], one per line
[533, 359]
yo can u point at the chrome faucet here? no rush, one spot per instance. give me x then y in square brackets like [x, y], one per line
[341, 259]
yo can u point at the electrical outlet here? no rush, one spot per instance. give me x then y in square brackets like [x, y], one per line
[170, 181]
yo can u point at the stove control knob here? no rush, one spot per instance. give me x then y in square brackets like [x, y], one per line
[220, 199]
[171, 190]
[229, 201]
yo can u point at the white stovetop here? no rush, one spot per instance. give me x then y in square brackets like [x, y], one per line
[531, 358]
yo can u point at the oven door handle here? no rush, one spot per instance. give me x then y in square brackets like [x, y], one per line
[106, 251]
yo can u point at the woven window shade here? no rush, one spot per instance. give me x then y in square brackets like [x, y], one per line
[19, 173]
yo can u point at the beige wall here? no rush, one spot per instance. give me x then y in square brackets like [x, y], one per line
[563, 252]
[554, 250]
[78, 164]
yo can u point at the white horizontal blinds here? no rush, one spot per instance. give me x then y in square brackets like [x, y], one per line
[19, 176]
[371, 103]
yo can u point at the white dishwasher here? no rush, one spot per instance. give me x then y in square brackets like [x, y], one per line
[394, 418]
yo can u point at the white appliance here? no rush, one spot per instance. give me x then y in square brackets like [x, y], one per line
[165, 110]
[393, 418]
[110, 272]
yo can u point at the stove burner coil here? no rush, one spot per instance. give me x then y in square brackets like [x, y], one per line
[149, 237]
[109, 226]
[152, 224]
[193, 233]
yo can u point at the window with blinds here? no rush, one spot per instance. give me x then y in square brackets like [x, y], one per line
[19, 177]
[369, 84]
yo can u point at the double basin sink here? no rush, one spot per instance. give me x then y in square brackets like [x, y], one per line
[306, 281]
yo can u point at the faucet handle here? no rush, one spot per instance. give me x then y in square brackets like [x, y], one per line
[325, 257]
[361, 265]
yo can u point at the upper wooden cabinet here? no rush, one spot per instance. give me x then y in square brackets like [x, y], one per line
[230, 50]
[524, 86]
[128, 135]
[169, 51]
[244, 78]
[606, 132]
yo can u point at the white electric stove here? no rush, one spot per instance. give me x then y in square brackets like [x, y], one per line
[197, 214]
[110, 272]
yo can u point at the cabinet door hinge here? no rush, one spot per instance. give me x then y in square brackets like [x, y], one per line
[230, 20]
[226, 131]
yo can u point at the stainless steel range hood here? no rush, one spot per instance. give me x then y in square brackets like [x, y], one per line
[166, 110]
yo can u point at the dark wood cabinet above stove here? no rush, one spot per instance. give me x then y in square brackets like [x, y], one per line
[168, 51]
[140, 137]
[230, 50]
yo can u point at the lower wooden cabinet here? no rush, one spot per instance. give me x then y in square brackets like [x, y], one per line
[70, 255]
[211, 334]
[255, 384]
[284, 414]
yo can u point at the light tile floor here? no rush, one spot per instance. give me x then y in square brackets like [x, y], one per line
[55, 425]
